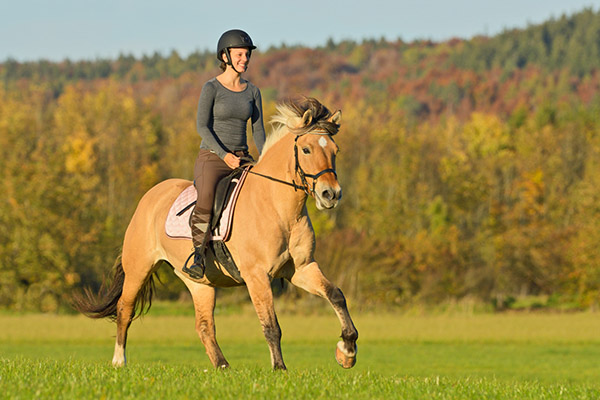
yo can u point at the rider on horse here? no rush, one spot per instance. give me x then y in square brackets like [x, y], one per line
[226, 103]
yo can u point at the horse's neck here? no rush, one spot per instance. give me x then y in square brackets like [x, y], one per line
[279, 163]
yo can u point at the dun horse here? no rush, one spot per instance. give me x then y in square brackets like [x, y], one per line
[272, 237]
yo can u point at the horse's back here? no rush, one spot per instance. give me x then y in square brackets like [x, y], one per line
[165, 191]
[154, 205]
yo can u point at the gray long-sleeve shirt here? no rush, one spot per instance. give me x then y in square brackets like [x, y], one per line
[222, 118]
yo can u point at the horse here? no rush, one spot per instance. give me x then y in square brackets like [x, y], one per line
[271, 238]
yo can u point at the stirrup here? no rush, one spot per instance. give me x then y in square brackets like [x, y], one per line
[196, 270]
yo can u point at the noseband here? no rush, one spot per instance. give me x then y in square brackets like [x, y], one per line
[305, 187]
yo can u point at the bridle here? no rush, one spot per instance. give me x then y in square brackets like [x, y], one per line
[300, 171]
[303, 175]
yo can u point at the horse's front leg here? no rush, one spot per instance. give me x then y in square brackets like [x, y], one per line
[259, 288]
[311, 279]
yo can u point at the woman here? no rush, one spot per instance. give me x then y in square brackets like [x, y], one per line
[226, 104]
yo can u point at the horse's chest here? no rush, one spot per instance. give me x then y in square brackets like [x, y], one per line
[301, 244]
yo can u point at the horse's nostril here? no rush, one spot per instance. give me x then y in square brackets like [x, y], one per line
[328, 194]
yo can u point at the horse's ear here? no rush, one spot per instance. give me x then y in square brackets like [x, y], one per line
[307, 118]
[336, 118]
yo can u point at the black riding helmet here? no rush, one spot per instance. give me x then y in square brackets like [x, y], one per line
[233, 38]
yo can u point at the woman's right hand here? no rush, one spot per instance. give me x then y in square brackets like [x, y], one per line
[232, 160]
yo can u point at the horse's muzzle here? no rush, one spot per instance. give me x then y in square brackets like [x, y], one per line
[327, 196]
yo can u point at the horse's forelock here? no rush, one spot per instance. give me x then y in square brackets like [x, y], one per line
[321, 117]
[289, 116]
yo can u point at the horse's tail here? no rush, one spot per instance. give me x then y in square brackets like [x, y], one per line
[104, 304]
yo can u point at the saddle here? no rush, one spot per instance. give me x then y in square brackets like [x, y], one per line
[177, 225]
[226, 193]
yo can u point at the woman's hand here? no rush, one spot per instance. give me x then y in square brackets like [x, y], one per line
[232, 160]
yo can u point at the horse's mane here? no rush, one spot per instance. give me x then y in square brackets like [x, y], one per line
[289, 117]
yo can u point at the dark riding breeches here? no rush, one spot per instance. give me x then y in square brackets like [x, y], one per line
[208, 170]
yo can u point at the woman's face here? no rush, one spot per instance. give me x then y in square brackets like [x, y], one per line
[240, 58]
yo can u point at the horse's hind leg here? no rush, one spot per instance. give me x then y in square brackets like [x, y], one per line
[125, 308]
[311, 279]
[137, 274]
[204, 306]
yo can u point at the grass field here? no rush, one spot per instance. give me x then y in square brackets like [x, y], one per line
[506, 356]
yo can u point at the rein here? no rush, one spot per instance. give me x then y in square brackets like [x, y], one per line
[305, 187]
[292, 184]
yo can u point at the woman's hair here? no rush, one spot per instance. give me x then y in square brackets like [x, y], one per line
[223, 64]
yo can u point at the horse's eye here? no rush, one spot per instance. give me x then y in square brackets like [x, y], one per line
[306, 150]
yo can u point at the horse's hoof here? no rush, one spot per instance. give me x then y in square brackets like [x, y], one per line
[343, 358]
[119, 360]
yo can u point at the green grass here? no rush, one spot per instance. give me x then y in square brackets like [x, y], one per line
[537, 356]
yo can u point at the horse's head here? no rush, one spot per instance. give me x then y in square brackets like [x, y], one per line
[311, 126]
[315, 152]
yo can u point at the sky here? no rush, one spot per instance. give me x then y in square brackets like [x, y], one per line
[54, 30]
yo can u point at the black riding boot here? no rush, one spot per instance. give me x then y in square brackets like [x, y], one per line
[199, 222]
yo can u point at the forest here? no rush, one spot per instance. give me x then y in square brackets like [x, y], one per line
[470, 167]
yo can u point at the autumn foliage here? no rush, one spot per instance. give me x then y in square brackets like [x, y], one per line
[470, 168]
